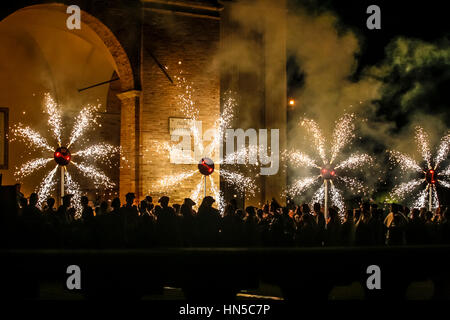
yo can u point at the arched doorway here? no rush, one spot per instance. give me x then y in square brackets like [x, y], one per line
[39, 55]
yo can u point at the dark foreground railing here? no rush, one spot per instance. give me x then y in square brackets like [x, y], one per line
[219, 273]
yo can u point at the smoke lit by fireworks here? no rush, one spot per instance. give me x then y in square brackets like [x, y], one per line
[36, 142]
[330, 169]
[423, 189]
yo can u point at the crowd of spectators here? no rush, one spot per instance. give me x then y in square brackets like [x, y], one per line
[146, 225]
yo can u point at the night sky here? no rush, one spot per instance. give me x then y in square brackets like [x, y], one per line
[424, 20]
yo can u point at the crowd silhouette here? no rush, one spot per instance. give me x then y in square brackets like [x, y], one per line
[147, 225]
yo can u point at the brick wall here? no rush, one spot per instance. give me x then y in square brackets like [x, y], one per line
[172, 38]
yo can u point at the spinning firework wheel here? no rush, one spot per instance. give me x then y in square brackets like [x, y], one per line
[63, 156]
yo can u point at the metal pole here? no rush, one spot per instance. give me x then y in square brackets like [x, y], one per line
[326, 202]
[430, 198]
[205, 186]
[62, 183]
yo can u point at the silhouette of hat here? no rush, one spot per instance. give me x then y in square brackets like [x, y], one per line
[130, 195]
[209, 199]
[189, 201]
[163, 198]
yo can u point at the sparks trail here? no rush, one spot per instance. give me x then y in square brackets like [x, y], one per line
[61, 154]
[432, 175]
[329, 173]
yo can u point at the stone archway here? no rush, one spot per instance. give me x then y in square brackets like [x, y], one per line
[98, 32]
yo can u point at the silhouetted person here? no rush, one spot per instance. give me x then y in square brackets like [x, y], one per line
[348, 229]
[32, 211]
[415, 229]
[208, 223]
[430, 228]
[364, 235]
[87, 214]
[130, 215]
[333, 231]
[166, 224]
[188, 223]
[251, 227]
[50, 208]
[395, 223]
[232, 228]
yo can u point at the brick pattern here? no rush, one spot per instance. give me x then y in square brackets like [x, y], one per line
[174, 38]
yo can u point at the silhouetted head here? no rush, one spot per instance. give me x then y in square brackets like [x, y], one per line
[33, 199]
[164, 200]
[103, 207]
[332, 213]
[143, 205]
[84, 201]
[365, 207]
[115, 204]
[316, 207]
[260, 213]
[415, 213]
[189, 202]
[394, 208]
[305, 208]
[208, 201]
[229, 210]
[149, 199]
[67, 199]
[274, 205]
[23, 202]
[50, 202]
[250, 211]
[129, 197]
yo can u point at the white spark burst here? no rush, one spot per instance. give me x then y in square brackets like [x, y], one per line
[86, 119]
[299, 186]
[173, 180]
[337, 199]
[26, 134]
[342, 136]
[98, 177]
[355, 161]
[423, 144]
[404, 161]
[99, 152]
[405, 188]
[73, 188]
[407, 163]
[46, 187]
[442, 151]
[189, 109]
[300, 159]
[29, 167]
[319, 142]
[54, 117]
